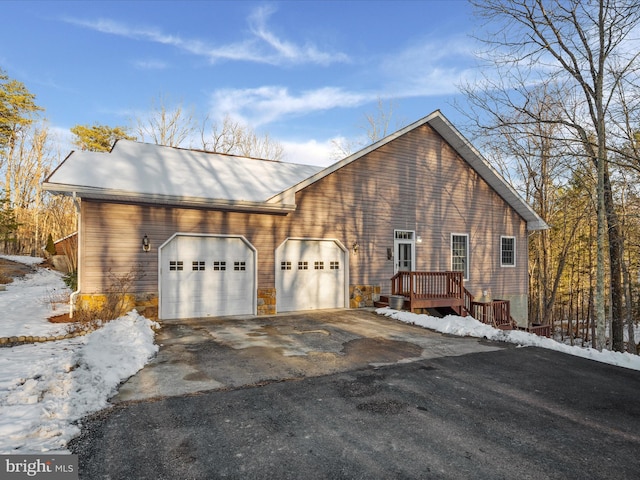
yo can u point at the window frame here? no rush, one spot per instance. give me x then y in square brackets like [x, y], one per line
[507, 265]
[467, 270]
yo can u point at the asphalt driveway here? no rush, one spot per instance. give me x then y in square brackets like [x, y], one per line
[512, 413]
[220, 353]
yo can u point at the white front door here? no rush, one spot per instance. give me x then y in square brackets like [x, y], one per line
[310, 274]
[207, 275]
[405, 250]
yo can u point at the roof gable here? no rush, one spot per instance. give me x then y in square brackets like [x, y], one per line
[459, 143]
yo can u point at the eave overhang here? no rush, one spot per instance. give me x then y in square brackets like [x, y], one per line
[121, 196]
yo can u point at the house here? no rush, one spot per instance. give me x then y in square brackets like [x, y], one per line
[65, 259]
[208, 234]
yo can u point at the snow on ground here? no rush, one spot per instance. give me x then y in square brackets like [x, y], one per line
[24, 259]
[28, 301]
[469, 327]
[45, 388]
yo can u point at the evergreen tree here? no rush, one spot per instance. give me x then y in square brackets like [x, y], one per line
[99, 138]
[51, 247]
[8, 222]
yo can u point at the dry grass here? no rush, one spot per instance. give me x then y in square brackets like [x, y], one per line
[4, 278]
[10, 270]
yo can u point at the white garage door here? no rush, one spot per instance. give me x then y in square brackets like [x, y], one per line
[310, 274]
[203, 276]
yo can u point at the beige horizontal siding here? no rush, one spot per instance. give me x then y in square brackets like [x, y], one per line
[415, 182]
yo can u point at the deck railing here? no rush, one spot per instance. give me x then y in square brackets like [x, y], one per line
[430, 289]
[446, 289]
[423, 285]
[468, 303]
[495, 312]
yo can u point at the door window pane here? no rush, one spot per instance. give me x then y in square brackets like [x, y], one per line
[404, 257]
[460, 254]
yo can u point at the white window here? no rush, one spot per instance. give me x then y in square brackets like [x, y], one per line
[175, 265]
[460, 254]
[507, 251]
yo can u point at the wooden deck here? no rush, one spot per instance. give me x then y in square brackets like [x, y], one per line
[438, 290]
[431, 290]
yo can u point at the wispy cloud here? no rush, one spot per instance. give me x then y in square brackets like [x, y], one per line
[262, 46]
[283, 49]
[425, 68]
[422, 69]
[263, 105]
[150, 64]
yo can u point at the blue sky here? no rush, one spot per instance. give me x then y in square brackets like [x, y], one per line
[305, 72]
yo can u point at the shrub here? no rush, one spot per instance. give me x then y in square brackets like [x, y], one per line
[115, 302]
[51, 247]
[71, 280]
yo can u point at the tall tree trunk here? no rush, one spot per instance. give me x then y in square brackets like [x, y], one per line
[615, 267]
[598, 303]
[631, 343]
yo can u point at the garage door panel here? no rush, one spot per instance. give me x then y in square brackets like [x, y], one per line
[207, 276]
[310, 275]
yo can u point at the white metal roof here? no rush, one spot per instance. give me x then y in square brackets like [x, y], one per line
[143, 172]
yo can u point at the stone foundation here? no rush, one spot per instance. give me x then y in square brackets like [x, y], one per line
[146, 304]
[363, 295]
[266, 301]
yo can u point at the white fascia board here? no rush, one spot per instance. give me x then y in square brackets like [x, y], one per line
[167, 200]
[487, 172]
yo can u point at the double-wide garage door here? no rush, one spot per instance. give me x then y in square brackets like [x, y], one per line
[203, 276]
[310, 274]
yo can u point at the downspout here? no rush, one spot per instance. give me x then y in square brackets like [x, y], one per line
[74, 295]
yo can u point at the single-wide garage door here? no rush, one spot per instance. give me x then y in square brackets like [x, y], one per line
[310, 274]
[203, 276]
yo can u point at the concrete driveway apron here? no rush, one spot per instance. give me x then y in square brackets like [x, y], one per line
[231, 352]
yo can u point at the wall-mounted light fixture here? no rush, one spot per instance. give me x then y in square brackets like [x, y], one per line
[355, 247]
[146, 245]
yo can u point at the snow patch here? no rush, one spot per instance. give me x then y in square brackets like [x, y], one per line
[45, 389]
[470, 327]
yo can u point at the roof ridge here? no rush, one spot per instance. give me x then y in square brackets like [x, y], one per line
[201, 150]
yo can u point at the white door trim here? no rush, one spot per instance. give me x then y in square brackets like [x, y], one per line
[345, 251]
[254, 301]
[397, 241]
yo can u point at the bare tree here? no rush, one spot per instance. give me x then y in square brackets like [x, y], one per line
[534, 158]
[583, 49]
[378, 123]
[164, 125]
[376, 126]
[235, 138]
